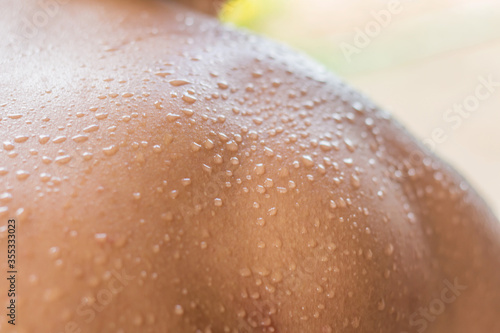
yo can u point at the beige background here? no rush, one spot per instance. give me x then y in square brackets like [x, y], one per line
[428, 58]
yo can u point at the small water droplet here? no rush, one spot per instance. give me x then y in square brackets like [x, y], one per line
[381, 304]
[7, 145]
[195, 146]
[179, 310]
[80, 138]
[356, 183]
[268, 152]
[5, 197]
[232, 146]
[22, 174]
[91, 128]
[137, 320]
[63, 159]
[178, 82]
[189, 98]
[51, 294]
[245, 272]
[111, 150]
[389, 250]
[369, 254]
[21, 138]
[171, 117]
[307, 161]
[272, 211]
[260, 169]
[101, 237]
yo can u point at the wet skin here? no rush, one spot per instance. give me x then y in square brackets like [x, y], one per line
[169, 174]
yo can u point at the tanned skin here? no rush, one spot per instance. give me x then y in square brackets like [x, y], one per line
[170, 174]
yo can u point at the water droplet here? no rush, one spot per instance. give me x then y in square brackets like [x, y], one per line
[22, 174]
[7, 145]
[111, 150]
[369, 254]
[222, 85]
[268, 183]
[307, 161]
[45, 177]
[326, 329]
[268, 152]
[137, 320]
[101, 116]
[389, 250]
[14, 116]
[195, 146]
[101, 237]
[163, 74]
[51, 294]
[355, 322]
[245, 272]
[87, 156]
[325, 145]
[208, 144]
[207, 168]
[171, 117]
[63, 159]
[260, 169]
[355, 181]
[91, 128]
[5, 197]
[21, 138]
[179, 310]
[43, 139]
[348, 161]
[218, 159]
[178, 82]
[189, 98]
[187, 112]
[350, 145]
[234, 160]
[381, 304]
[358, 106]
[272, 211]
[80, 138]
[232, 146]
[54, 252]
[276, 277]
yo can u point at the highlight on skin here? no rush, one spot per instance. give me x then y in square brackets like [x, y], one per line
[170, 174]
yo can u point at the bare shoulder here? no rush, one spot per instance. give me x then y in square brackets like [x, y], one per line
[172, 173]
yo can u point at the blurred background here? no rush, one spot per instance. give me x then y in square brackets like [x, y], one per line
[421, 60]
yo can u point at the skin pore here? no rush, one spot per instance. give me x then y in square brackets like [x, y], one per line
[170, 174]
